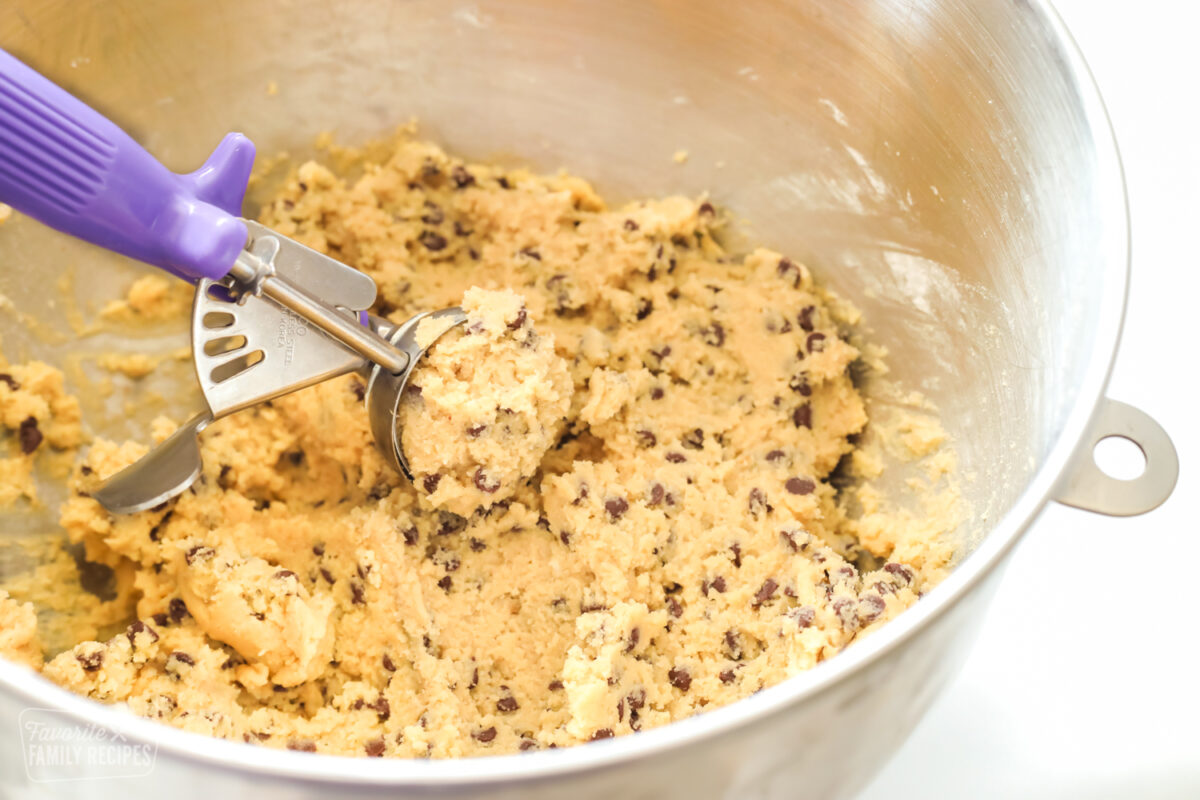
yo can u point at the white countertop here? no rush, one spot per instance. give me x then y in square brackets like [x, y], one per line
[1085, 682]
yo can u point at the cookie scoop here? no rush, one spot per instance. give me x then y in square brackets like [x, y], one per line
[270, 315]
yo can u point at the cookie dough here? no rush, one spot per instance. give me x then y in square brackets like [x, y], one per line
[679, 546]
[486, 402]
[36, 415]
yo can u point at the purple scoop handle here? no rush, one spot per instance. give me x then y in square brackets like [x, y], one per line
[67, 166]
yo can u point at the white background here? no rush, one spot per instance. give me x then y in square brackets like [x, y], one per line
[1085, 682]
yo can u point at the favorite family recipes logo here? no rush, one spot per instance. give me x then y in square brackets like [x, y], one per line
[58, 749]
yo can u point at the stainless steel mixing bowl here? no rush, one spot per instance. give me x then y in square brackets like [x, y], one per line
[945, 164]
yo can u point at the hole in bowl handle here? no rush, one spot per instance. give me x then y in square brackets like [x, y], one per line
[1084, 485]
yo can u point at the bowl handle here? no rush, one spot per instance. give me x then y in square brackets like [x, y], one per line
[1084, 485]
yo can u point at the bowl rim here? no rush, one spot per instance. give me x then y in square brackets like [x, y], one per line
[205, 751]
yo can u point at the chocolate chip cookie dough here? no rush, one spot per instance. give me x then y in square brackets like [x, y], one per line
[668, 540]
[38, 416]
[484, 405]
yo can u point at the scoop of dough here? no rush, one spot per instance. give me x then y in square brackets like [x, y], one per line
[260, 610]
[484, 405]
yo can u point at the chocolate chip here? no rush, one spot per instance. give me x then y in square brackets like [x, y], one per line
[676, 458]
[630, 225]
[358, 593]
[445, 583]
[800, 486]
[903, 572]
[382, 708]
[644, 307]
[483, 484]
[736, 549]
[431, 483]
[461, 177]
[733, 644]
[656, 393]
[374, 748]
[90, 661]
[302, 745]
[29, 435]
[802, 416]
[477, 545]
[432, 240]
[388, 664]
[178, 610]
[815, 342]
[805, 318]
[136, 627]
[616, 508]
[789, 271]
[507, 704]
[318, 550]
[680, 678]
[714, 335]
[182, 658]
[435, 215]
[475, 430]
[11, 382]
[758, 502]
[198, 552]
[727, 676]
[765, 592]
[656, 494]
[799, 384]
[327, 575]
[486, 735]
[528, 744]
[674, 608]
[776, 455]
[603, 733]
[846, 611]
[646, 439]
[871, 608]
[706, 209]
[717, 584]
[522, 316]
[530, 252]
[459, 230]
[450, 523]
[693, 440]
[803, 615]
[555, 685]
[285, 573]
[160, 619]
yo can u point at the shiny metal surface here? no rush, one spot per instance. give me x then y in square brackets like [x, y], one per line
[1086, 486]
[251, 342]
[946, 165]
[167, 470]
[255, 269]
